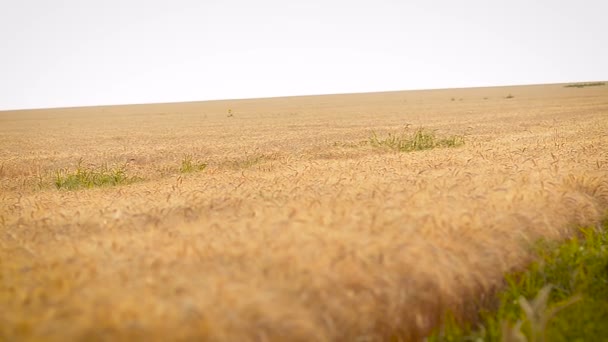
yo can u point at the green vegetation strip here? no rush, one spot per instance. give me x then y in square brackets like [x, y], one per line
[583, 85]
[561, 297]
[421, 139]
[86, 177]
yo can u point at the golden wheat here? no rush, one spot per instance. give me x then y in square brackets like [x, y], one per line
[297, 229]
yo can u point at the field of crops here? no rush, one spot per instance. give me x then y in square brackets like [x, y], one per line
[341, 217]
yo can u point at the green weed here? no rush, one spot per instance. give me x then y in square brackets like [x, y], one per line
[583, 85]
[83, 177]
[562, 297]
[421, 139]
[188, 165]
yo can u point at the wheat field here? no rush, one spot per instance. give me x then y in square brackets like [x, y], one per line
[295, 228]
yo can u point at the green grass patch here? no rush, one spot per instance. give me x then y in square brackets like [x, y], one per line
[583, 85]
[189, 165]
[561, 297]
[87, 177]
[421, 139]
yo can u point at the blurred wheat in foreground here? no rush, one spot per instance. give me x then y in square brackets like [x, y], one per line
[299, 219]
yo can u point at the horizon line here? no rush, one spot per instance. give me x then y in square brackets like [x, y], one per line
[288, 96]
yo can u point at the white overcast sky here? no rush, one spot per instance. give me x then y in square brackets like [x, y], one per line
[78, 52]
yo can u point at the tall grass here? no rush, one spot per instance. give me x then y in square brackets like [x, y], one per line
[562, 297]
[189, 165]
[421, 139]
[87, 177]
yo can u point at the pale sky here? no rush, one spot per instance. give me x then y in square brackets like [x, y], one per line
[77, 52]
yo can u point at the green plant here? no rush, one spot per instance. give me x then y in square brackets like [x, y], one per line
[188, 165]
[583, 85]
[86, 177]
[421, 139]
[569, 284]
[537, 316]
